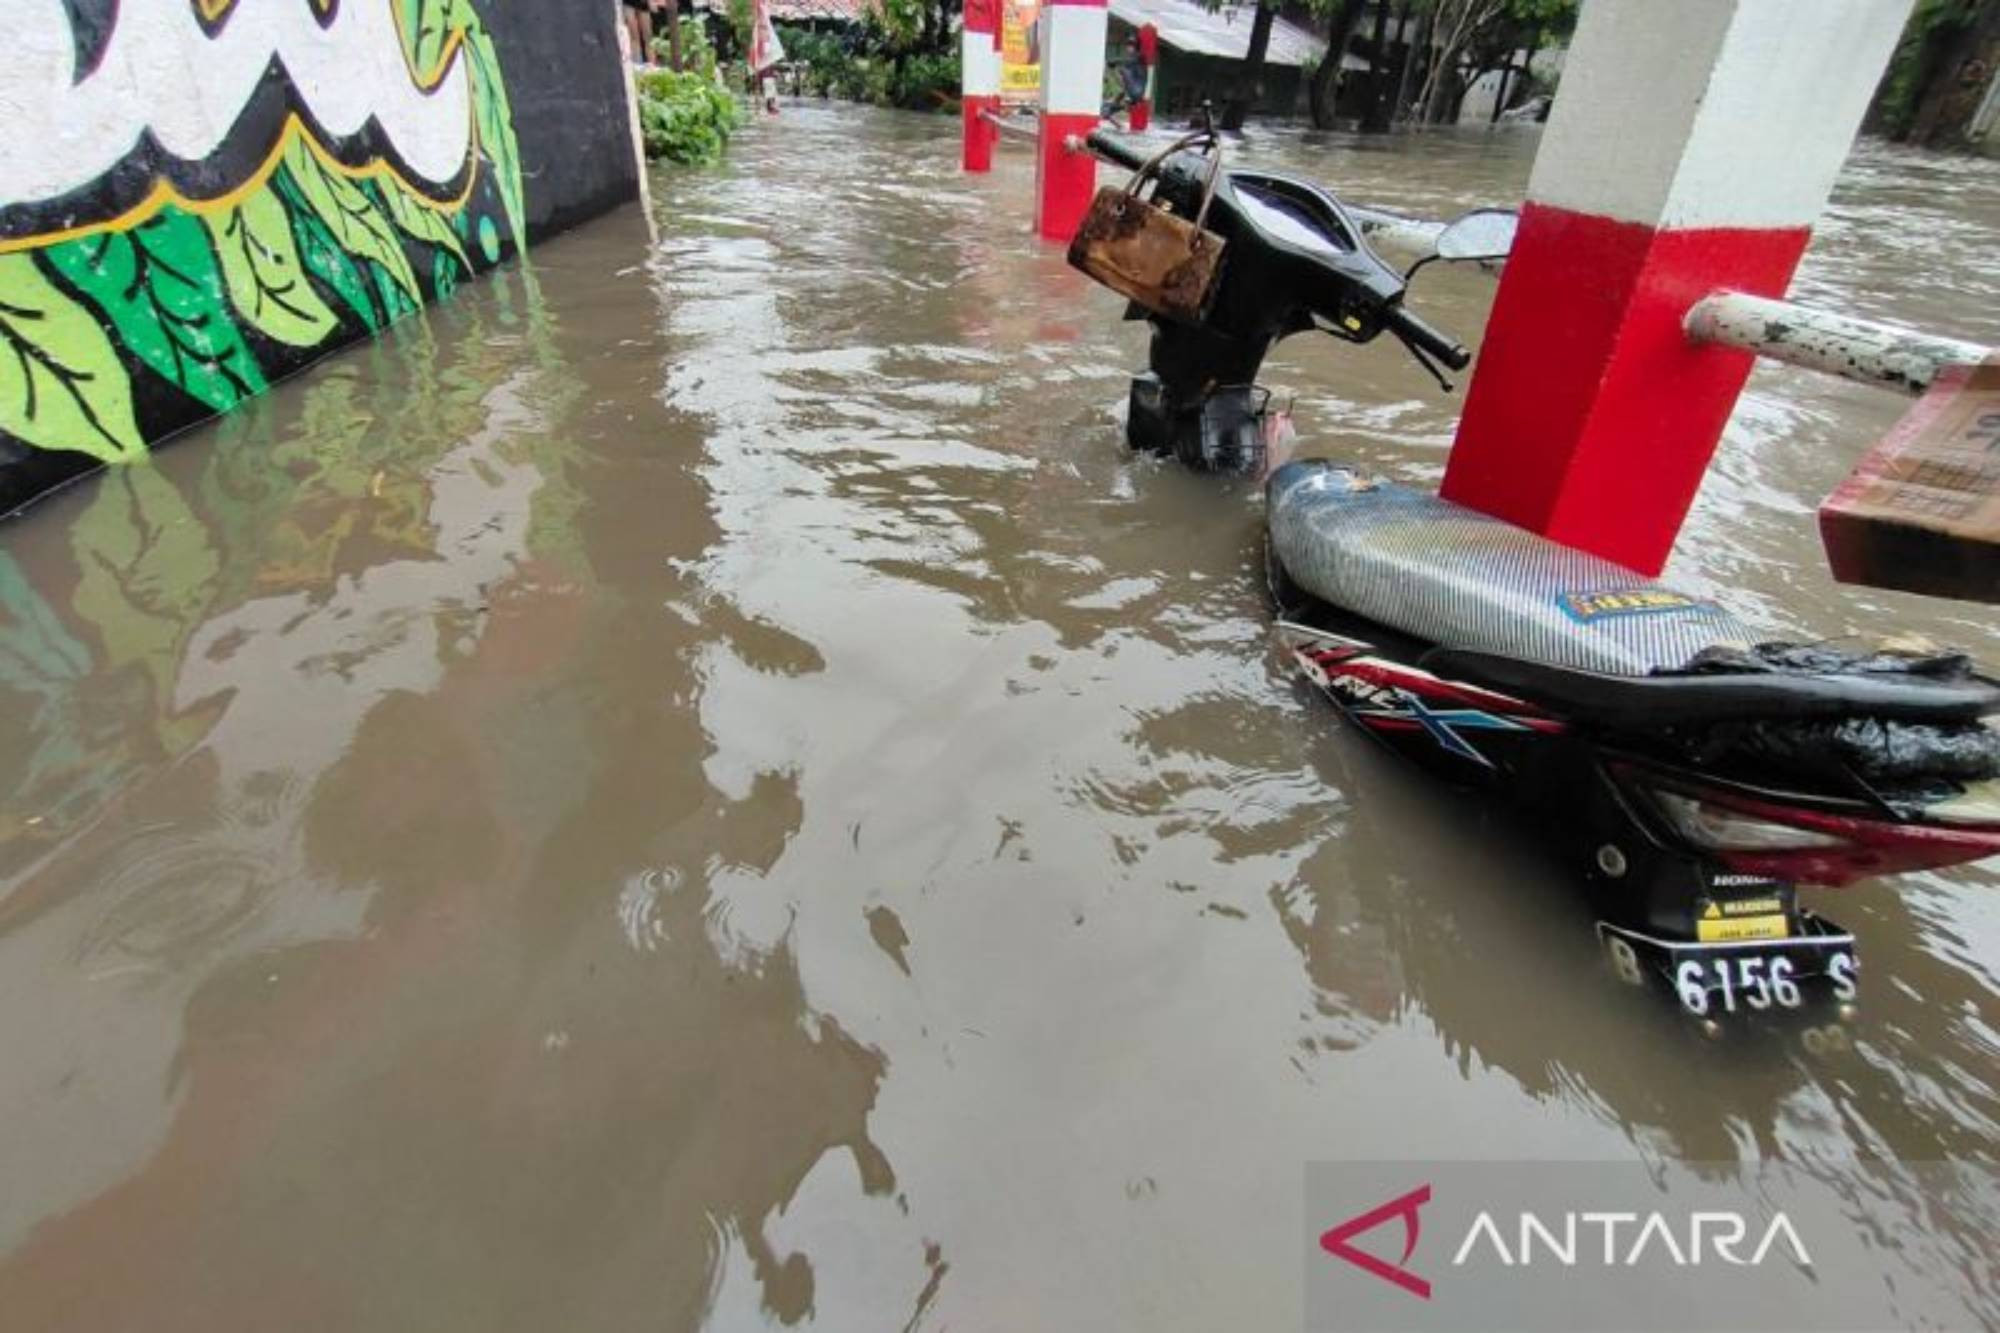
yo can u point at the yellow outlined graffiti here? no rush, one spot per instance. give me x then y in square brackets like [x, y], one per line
[138, 324]
[164, 192]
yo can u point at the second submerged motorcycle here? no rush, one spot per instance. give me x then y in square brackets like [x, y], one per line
[1693, 772]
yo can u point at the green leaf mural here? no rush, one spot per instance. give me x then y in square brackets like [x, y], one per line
[420, 221]
[426, 25]
[357, 223]
[159, 287]
[62, 385]
[322, 255]
[496, 124]
[395, 300]
[260, 262]
[196, 294]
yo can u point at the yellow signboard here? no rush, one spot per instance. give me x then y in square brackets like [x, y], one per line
[1020, 51]
[1744, 919]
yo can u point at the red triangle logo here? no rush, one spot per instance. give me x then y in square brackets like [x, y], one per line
[1335, 1242]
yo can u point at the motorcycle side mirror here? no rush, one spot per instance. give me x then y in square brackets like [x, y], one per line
[1484, 233]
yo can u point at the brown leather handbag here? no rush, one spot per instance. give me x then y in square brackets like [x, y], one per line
[1140, 249]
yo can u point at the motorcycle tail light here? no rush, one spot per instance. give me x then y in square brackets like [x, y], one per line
[1722, 829]
[1766, 836]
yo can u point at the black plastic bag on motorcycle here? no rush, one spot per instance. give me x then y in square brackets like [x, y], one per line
[1887, 752]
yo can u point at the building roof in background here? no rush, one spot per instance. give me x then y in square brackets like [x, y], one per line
[793, 11]
[846, 11]
[1224, 32]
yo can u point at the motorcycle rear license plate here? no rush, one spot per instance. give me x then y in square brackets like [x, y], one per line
[1718, 979]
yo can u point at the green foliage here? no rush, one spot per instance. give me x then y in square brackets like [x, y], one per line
[697, 52]
[900, 22]
[864, 81]
[1496, 31]
[820, 56]
[685, 117]
[926, 83]
[872, 70]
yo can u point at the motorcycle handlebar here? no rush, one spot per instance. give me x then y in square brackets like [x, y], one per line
[1112, 148]
[1423, 338]
[1419, 336]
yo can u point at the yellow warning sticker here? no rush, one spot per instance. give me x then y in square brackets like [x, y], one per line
[1714, 928]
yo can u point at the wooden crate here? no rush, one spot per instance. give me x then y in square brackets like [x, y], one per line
[1922, 511]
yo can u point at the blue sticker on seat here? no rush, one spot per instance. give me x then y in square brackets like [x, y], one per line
[1585, 607]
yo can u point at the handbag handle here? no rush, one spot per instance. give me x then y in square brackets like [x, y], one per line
[1151, 168]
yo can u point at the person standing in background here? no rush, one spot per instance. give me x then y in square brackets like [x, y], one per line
[639, 23]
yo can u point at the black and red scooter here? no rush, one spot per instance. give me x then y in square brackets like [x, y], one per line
[1692, 772]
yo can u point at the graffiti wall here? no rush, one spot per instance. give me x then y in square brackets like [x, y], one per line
[199, 196]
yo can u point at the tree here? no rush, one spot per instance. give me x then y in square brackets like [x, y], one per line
[1376, 109]
[1474, 35]
[1408, 65]
[1249, 77]
[1343, 16]
[1939, 74]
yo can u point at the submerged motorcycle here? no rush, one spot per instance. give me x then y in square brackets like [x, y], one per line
[1692, 772]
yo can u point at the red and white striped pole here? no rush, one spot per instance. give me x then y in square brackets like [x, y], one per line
[979, 81]
[1072, 43]
[1141, 114]
[1691, 148]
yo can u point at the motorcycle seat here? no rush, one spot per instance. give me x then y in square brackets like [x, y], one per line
[1465, 580]
[1516, 612]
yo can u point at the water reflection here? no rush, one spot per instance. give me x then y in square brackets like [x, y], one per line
[705, 787]
[334, 940]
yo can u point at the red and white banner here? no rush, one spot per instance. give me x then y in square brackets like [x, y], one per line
[765, 48]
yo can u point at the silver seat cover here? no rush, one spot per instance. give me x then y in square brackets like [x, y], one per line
[1462, 579]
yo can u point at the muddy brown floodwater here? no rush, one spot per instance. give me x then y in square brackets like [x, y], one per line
[699, 785]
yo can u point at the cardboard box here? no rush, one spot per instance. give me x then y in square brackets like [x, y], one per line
[1922, 511]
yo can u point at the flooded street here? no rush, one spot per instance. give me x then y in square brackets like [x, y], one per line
[699, 785]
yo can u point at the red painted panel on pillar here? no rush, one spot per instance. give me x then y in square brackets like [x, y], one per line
[1592, 419]
[980, 132]
[1546, 348]
[1064, 181]
[1666, 401]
